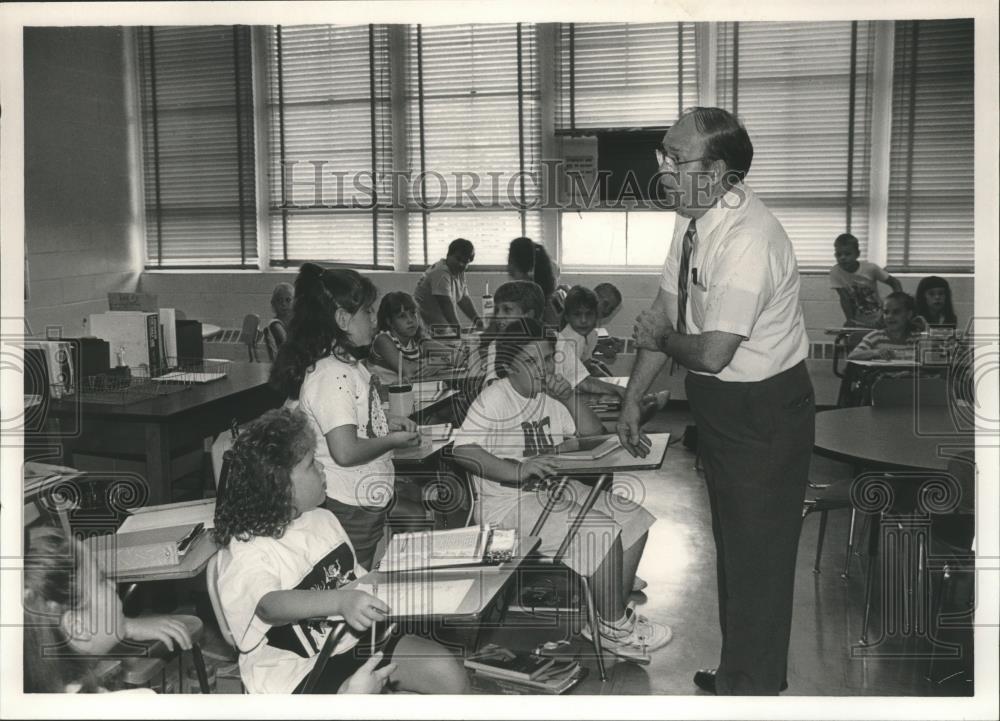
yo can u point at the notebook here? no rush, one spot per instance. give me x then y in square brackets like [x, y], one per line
[436, 549]
[606, 447]
[421, 596]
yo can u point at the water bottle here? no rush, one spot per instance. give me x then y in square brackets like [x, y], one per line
[487, 304]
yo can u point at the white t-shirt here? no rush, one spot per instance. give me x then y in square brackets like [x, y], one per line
[337, 393]
[438, 280]
[506, 424]
[313, 554]
[585, 345]
[747, 284]
[862, 287]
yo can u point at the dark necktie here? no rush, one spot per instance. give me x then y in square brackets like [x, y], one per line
[690, 238]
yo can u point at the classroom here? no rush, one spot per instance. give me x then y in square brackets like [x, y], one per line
[521, 354]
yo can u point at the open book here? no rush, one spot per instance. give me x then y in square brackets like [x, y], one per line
[436, 549]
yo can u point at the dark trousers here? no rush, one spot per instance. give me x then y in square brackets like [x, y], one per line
[755, 441]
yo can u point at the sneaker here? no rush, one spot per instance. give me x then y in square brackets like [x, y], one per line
[632, 638]
[638, 585]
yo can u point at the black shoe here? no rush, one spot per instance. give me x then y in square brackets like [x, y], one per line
[705, 680]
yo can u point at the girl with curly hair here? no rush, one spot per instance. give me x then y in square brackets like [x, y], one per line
[284, 570]
[319, 370]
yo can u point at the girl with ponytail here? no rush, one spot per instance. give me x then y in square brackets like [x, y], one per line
[319, 370]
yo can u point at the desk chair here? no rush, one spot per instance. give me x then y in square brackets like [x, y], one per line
[249, 333]
[953, 536]
[912, 391]
[843, 343]
[139, 670]
[212, 578]
[833, 497]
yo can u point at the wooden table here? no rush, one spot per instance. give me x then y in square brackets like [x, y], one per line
[155, 429]
[887, 438]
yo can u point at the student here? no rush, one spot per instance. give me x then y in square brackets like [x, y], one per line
[521, 299]
[609, 301]
[579, 335]
[505, 440]
[856, 282]
[73, 616]
[898, 339]
[319, 369]
[276, 330]
[528, 260]
[283, 566]
[442, 288]
[401, 335]
[934, 302]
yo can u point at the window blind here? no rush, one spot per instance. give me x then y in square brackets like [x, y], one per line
[473, 117]
[198, 140]
[618, 75]
[803, 92]
[330, 145]
[932, 155]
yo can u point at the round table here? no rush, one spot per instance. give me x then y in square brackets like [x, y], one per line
[894, 437]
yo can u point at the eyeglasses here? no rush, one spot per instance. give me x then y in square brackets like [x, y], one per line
[663, 159]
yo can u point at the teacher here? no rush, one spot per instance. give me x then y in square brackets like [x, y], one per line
[728, 310]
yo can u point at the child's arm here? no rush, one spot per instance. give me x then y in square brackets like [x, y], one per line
[474, 458]
[590, 384]
[586, 421]
[348, 450]
[390, 357]
[166, 629]
[358, 608]
[892, 282]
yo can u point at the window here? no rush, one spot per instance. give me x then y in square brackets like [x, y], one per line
[931, 159]
[621, 75]
[474, 139]
[802, 89]
[330, 145]
[624, 75]
[199, 180]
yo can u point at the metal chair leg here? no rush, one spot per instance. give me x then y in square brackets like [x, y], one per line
[819, 540]
[199, 667]
[595, 627]
[850, 545]
[869, 579]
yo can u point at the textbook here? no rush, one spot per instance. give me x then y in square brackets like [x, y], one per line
[594, 452]
[500, 662]
[170, 514]
[151, 548]
[436, 549]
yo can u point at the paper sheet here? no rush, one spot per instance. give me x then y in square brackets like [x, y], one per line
[422, 596]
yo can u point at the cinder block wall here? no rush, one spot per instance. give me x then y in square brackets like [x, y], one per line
[78, 223]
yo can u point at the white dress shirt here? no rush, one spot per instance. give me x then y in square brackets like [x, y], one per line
[744, 280]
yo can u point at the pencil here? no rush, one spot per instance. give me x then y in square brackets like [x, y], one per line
[374, 593]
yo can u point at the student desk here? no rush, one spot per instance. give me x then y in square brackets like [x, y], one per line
[194, 562]
[488, 581]
[155, 429]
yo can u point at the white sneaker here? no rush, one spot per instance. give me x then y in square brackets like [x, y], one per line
[638, 585]
[632, 638]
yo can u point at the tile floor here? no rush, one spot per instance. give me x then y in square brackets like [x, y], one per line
[679, 565]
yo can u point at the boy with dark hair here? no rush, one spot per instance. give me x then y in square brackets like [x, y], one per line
[856, 282]
[442, 288]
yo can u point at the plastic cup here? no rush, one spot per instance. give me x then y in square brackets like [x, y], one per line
[401, 399]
